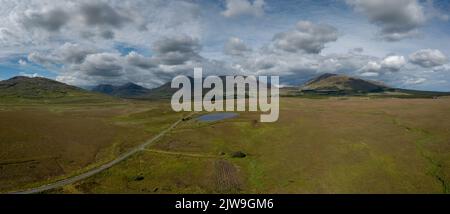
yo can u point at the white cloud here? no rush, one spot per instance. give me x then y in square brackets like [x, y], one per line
[43, 24]
[29, 74]
[79, 40]
[393, 63]
[22, 62]
[236, 47]
[428, 58]
[235, 8]
[371, 67]
[146, 42]
[172, 56]
[415, 81]
[297, 67]
[370, 74]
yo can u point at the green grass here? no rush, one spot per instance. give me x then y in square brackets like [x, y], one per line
[354, 145]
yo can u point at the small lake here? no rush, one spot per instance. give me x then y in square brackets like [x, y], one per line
[216, 116]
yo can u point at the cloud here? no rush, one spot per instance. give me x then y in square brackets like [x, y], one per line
[140, 61]
[40, 58]
[112, 68]
[103, 64]
[370, 74]
[391, 63]
[32, 75]
[236, 47]
[235, 8]
[79, 65]
[42, 24]
[307, 37]
[428, 58]
[50, 20]
[22, 62]
[177, 50]
[371, 67]
[107, 34]
[7, 37]
[68, 53]
[101, 14]
[72, 53]
[149, 42]
[357, 50]
[415, 81]
[295, 68]
[397, 19]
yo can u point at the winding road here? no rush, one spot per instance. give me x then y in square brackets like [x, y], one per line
[99, 169]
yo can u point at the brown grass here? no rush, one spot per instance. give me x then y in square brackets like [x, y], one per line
[41, 143]
[353, 145]
[226, 177]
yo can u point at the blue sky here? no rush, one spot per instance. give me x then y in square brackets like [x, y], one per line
[404, 43]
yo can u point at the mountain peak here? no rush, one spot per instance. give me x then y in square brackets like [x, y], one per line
[128, 90]
[321, 77]
[132, 85]
[335, 82]
[326, 75]
[19, 78]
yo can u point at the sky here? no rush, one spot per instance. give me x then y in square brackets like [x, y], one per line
[403, 43]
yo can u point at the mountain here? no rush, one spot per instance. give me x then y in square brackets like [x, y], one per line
[38, 88]
[129, 90]
[335, 83]
[162, 92]
[166, 91]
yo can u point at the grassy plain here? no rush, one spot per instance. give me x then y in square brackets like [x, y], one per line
[45, 141]
[331, 145]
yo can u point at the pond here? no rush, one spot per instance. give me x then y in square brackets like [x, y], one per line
[216, 116]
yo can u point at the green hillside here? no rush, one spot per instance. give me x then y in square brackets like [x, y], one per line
[40, 89]
[334, 82]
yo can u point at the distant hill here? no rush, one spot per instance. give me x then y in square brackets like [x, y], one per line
[166, 91]
[43, 89]
[129, 90]
[38, 87]
[341, 83]
[334, 84]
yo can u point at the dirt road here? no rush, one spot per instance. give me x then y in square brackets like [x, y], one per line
[101, 168]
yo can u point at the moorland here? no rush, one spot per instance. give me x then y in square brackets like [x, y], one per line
[388, 141]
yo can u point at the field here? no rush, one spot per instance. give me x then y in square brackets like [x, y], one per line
[41, 143]
[333, 145]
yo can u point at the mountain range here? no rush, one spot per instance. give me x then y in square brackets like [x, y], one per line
[328, 84]
[129, 90]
